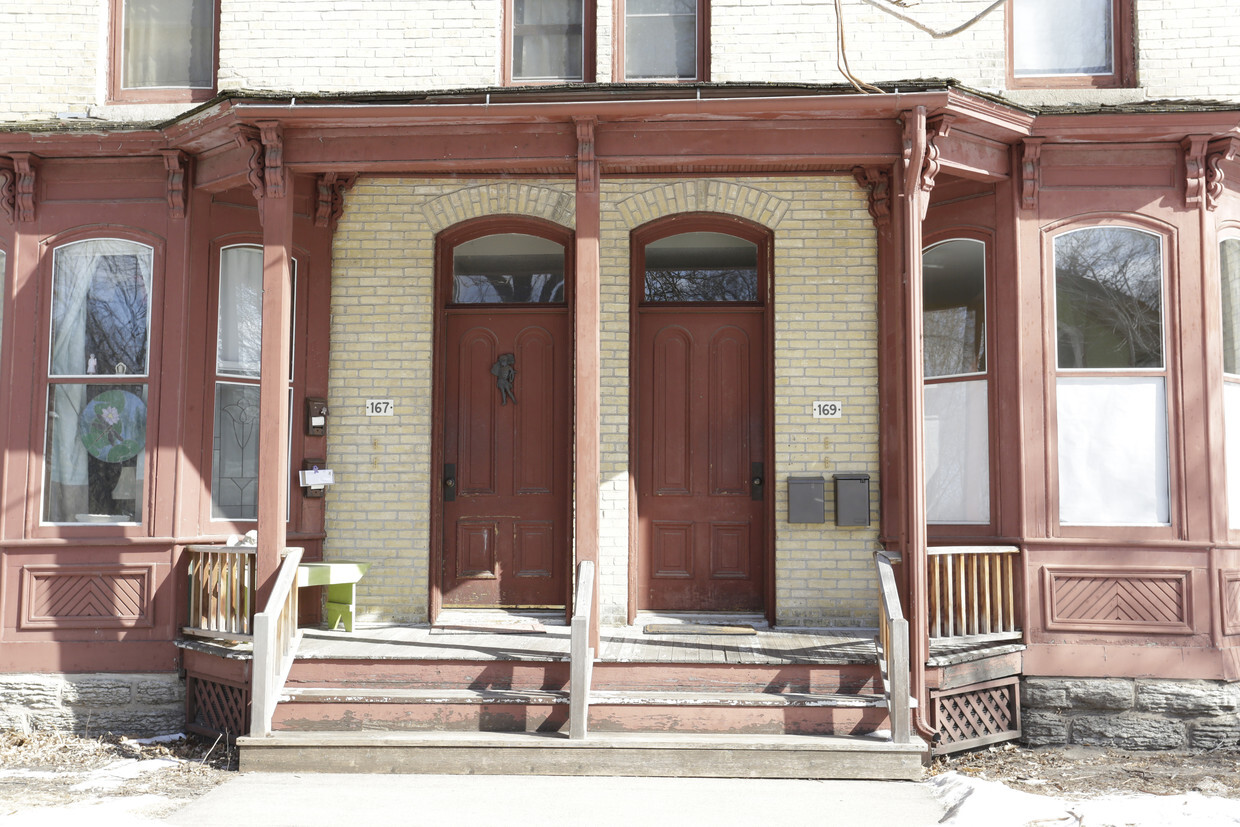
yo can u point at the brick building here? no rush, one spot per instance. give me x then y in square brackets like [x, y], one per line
[746, 308]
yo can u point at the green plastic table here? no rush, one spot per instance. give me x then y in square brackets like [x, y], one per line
[340, 577]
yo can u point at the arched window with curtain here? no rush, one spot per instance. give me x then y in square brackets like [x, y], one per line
[98, 377]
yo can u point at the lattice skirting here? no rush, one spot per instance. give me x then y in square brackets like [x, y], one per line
[215, 707]
[971, 716]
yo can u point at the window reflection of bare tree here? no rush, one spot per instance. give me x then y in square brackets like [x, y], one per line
[702, 285]
[116, 317]
[1109, 298]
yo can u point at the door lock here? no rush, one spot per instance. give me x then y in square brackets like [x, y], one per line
[756, 475]
[449, 482]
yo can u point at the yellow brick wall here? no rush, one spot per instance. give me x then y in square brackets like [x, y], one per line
[826, 348]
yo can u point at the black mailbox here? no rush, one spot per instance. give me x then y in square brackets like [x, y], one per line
[807, 499]
[852, 499]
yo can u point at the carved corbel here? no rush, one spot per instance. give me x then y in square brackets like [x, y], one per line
[1195, 168]
[331, 187]
[177, 164]
[913, 151]
[937, 127]
[877, 182]
[587, 165]
[1218, 151]
[247, 138]
[1030, 172]
[23, 186]
[8, 193]
[272, 136]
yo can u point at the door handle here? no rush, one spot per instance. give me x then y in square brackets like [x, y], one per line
[756, 481]
[449, 482]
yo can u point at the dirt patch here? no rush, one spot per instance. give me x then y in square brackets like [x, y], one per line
[49, 769]
[1089, 772]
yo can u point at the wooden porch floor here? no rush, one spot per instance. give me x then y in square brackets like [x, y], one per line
[622, 644]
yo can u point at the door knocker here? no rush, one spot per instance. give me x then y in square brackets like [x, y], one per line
[505, 374]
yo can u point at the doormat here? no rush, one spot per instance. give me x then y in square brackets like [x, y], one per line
[491, 627]
[696, 629]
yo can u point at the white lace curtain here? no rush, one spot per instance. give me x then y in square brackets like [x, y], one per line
[168, 43]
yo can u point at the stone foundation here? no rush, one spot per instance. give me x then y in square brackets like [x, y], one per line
[1131, 714]
[140, 705]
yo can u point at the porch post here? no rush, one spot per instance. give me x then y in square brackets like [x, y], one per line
[914, 202]
[586, 316]
[273, 476]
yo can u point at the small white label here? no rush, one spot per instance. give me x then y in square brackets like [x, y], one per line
[828, 410]
[317, 477]
[380, 407]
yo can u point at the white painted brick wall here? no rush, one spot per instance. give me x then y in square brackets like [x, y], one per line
[53, 52]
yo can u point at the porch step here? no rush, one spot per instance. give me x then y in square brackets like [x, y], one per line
[338, 708]
[635, 754]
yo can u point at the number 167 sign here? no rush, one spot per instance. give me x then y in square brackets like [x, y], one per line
[828, 410]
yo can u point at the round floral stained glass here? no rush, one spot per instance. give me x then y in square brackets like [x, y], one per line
[113, 426]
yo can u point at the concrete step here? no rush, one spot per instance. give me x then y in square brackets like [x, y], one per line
[622, 754]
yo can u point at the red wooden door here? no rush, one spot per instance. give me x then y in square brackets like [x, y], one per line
[506, 457]
[700, 429]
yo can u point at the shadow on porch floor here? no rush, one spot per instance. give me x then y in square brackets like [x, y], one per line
[618, 644]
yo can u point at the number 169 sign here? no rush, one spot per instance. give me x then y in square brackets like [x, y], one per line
[828, 410]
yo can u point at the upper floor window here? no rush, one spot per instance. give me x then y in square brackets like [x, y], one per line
[1060, 43]
[163, 50]
[550, 41]
[663, 40]
[98, 374]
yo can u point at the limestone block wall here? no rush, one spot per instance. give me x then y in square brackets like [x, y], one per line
[1131, 713]
[382, 341]
[93, 704]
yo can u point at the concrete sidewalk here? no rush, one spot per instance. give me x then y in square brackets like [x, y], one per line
[277, 799]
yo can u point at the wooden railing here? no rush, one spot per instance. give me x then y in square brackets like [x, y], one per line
[275, 644]
[581, 654]
[972, 590]
[221, 592]
[893, 655]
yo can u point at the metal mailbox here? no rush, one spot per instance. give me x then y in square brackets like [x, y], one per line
[852, 499]
[807, 499]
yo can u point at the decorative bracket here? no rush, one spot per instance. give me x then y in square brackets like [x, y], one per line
[1195, 168]
[331, 187]
[877, 181]
[17, 196]
[272, 135]
[1030, 172]
[177, 163]
[247, 139]
[1218, 151]
[940, 126]
[8, 193]
[587, 165]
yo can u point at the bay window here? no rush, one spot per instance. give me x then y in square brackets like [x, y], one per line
[239, 333]
[1229, 281]
[1111, 384]
[957, 430]
[98, 375]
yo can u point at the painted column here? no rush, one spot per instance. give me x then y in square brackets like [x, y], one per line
[586, 320]
[913, 203]
[276, 208]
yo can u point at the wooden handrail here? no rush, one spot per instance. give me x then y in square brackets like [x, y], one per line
[580, 653]
[893, 655]
[276, 637]
[221, 592]
[972, 590]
